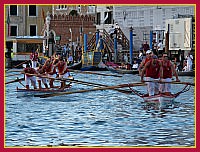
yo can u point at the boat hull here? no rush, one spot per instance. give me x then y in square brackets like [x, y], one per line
[75, 66]
[51, 90]
[186, 73]
[161, 100]
[122, 71]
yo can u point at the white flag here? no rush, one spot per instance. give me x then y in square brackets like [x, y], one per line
[105, 17]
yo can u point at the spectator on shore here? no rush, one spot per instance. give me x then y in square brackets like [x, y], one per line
[146, 47]
[189, 58]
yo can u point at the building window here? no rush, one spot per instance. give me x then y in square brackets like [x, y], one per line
[32, 30]
[62, 7]
[98, 18]
[13, 30]
[32, 10]
[13, 9]
[91, 9]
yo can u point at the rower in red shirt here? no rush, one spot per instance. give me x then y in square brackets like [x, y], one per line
[145, 60]
[168, 70]
[153, 69]
[62, 71]
[50, 71]
[41, 77]
[34, 58]
[30, 76]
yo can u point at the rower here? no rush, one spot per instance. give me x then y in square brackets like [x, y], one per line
[41, 72]
[153, 69]
[30, 76]
[145, 60]
[62, 71]
[50, 71]
[34, 58]
[168, 70]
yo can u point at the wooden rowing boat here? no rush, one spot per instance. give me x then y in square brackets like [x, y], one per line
[160, 101]
[186, 73]
[121, 71]
[44, 90]
[115, 68]
[159, 98]
[163, 100]
[75, 66]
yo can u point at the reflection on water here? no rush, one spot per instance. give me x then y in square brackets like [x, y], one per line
[100, 118]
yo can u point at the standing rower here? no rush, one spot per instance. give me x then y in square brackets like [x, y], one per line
[34, 58]
[153, 69]
[168, 70]
[145, 60]
[41, 77]
[50, 71]
[30, 76]
[62, 71]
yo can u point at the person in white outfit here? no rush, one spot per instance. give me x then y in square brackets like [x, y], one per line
[135, 65]
[189, 61]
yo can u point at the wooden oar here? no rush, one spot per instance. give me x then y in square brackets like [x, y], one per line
[173, 82]
[17, 65]
[87, 72]
[22, 84]
[13, 75]
[16, 80]
[94, 89]
[97, 84]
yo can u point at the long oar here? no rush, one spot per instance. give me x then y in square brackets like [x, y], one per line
[97, 84]
[87, 72]
[173, 82]
[17, 65]
[22, 84]
[13, 75]
[16, 80]
[94, 89]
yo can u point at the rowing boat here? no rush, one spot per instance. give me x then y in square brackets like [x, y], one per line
[44, 90]
[186, 73]
[115, 68]
[121, 71]
[161, 99]
[75, 66]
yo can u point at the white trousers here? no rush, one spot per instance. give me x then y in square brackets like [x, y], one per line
[30, 79]
[64, 76]
[152, 87]
[34, 64]
[165, 87]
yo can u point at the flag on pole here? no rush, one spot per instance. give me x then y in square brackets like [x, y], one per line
[105, 17]
[8, 22]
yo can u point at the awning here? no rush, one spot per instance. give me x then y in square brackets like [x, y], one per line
[30, 39]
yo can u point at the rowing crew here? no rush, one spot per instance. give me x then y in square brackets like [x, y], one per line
[158, 70]
[53, 68]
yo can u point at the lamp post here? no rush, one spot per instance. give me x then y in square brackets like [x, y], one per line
[70, 30]
[48, 19]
